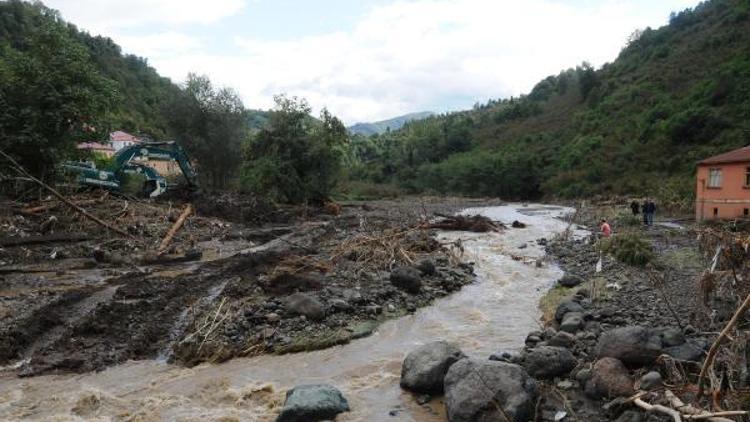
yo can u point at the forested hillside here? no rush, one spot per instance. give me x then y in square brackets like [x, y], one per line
[638, 125]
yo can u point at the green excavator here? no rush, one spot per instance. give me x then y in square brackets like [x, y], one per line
[125, 163]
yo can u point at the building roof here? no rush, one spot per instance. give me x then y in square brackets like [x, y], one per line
[94, 146]
[119, 135]
[736, 156]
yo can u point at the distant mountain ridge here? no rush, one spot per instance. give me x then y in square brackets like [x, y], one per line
[383, 126]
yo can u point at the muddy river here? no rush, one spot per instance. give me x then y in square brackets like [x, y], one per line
[493, 314]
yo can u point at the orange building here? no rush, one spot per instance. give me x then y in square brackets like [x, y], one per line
[723, 186]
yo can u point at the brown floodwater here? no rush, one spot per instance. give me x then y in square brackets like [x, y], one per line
[493, 314]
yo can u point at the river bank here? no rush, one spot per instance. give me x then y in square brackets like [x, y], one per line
[613, 329]
[490, 314]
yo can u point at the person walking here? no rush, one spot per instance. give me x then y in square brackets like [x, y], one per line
[644, 211]
[651, 207]
[605, 228]
[634, 207]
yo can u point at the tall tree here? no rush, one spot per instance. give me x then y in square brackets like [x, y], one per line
[295, 158]
[50, 95]
[210, 123]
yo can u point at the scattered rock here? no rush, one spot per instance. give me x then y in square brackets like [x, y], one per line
[671, 337]
[518, 225]
[305, 305]
[650, 381]
[407, 278]
[473, 389]
[424, 369]
[341, 305]
[549, 362]
[567, 306]
[562, 339]
[692, 350]
[609, 378]
[273, 317]
[570, 280]
[310, 403]
[423, 399]
[634, 346]
[427, 267]
[572, 322]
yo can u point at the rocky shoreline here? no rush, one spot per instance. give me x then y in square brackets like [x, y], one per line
[609, 335]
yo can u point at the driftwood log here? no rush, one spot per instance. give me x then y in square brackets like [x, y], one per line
[175, 227]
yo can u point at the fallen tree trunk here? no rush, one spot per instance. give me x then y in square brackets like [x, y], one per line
[57, 204]
[36, 240]
[176, 227]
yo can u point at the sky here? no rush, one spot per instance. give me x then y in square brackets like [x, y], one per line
[368, 60]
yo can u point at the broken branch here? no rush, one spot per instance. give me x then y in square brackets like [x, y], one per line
[708, 363]
[59, 196]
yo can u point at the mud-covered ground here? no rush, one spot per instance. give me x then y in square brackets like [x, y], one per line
[74, 297]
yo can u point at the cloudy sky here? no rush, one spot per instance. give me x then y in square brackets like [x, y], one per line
[370, 59]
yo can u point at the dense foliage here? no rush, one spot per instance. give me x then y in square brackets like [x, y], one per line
[295, 158]
[59, 86]
[211, 125]
[638, 125]
[50, 93]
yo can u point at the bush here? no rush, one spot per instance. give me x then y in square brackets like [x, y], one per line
[629, 248]
[627, 219]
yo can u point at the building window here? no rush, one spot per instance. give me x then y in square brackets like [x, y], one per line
[747, 176]
[716, 212]
[746, 212]
[714, 178]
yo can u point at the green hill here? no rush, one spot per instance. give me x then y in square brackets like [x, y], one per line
[383, 126]
[637, 125]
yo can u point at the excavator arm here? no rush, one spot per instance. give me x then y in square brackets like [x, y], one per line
[125, 162]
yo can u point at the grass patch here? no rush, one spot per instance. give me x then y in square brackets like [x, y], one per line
[629, 248]
[549, 302]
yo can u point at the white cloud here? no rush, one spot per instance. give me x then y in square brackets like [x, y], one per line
[406, 56]
[103, 16]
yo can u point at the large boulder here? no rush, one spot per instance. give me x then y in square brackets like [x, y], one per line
[670, 337]
[549, 362]
[407, 278]
[312, 403]
[609, 378]
[634, 346]
[691, 350]
[303, 304]
[424, 369]
[565, 307]
[570, 280]
[474, 389]
[562, 339]
[572, 322]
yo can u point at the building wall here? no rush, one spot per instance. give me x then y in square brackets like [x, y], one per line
[730, 200]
